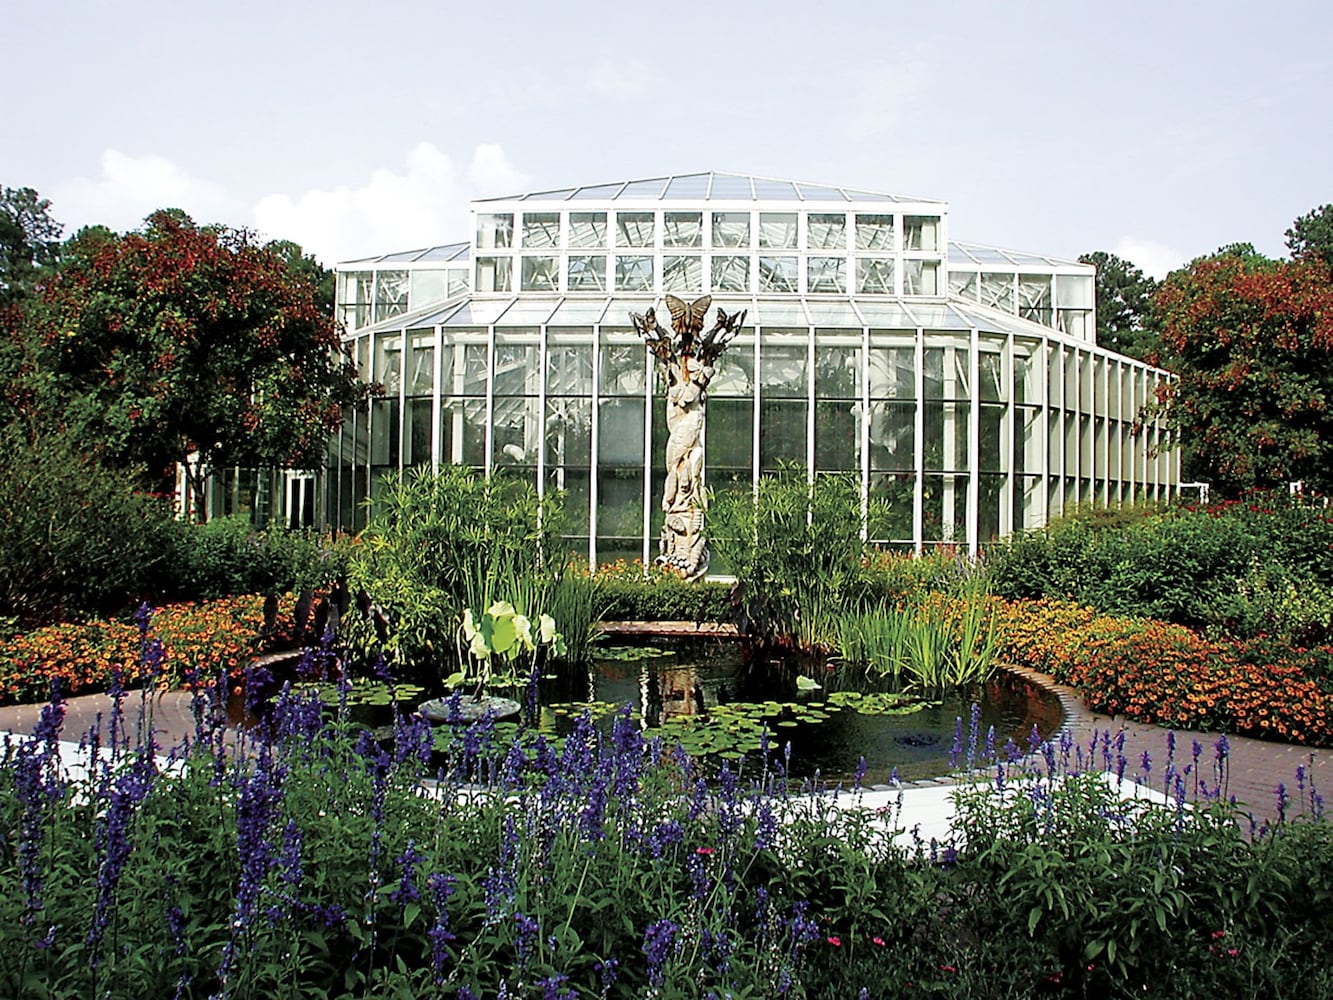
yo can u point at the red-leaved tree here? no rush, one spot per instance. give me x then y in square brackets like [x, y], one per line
[1252, 342]
[181, 344]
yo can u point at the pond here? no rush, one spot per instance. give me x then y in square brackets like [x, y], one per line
[716, 699]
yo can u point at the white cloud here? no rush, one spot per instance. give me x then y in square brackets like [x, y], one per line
[129, 188]
[423, 203]
[1154, 259]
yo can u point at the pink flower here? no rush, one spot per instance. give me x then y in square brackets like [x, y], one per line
[878, 940]
[703, 850]
[835, 941]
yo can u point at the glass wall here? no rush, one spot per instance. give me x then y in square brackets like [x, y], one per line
[957, 435]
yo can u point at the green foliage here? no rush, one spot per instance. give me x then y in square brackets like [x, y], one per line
[1239, 568]
[29, 242]
[436, 543]
[794, 547]
[1125, 319]
[929, 643]
[632, 592]
[228, 555]
[75, 537]
[1312, 235]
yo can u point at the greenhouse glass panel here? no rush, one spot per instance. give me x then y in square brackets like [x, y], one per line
[541, 230]
[388, 362]
[623, 369]
[391, 290]
[892, 436]
[427, 286]
[385, 432]
[517, 371]
[683, 274]
[892, 506]
[944, 508]
[782, 433]
[774, 190]
[586, 274]
[731, 229]
[731, 273]
[569, 368]
[420, 426]
[731, 186]
[963, 284]
[421, 367]
[1034, 298]
[516, 431]
[574, 484]
[457, 281]
[837, 368]
[997, 291]
[688, 186]
[837, 435]
[683, 229]
[620, 432]
[620, 509]
[783, 370]
[892, 372]
[730, 434]
[494, 274]
[635, 229]
[495, 232]
[540, 274]
[827, 274]
[826, 232]
[634, 274]
[875, 232]
[920, 277]
[990, 497]
[568, 432]
[990, 370]
[946, 435]
[587, 230]
[779, 274]
[874, 277]
[991, 456]
[778, 230]
[921, 232]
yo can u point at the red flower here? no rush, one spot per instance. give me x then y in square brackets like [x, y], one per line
[835, 941]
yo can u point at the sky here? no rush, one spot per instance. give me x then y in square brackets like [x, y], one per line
[1158, 131]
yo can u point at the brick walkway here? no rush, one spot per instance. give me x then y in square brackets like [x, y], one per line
[1256, 766]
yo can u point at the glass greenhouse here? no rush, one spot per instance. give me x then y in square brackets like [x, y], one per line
[959, 382]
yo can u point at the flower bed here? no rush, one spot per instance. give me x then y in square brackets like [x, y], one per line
[196, 637]
[1157, 672]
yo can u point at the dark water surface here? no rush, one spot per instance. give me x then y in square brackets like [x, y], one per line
[691, 677]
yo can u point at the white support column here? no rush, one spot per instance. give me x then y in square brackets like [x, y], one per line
[919, 443]
[1007, 430]
[489, 438]
[973, 526]
[436, 406]
[595, 443]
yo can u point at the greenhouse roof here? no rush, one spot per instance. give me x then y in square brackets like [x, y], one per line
[712, 186]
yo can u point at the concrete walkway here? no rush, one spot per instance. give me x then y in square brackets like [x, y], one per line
[1256, 767]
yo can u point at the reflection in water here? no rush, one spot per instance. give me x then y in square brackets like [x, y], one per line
[684, 680]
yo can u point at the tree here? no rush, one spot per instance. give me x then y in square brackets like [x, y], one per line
[1252, 343]
[186, 345]
[1125, 319]
[1312, 235]
[29, 242]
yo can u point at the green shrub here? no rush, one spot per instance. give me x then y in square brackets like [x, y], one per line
[76, 538]
[228, 555]
[632, 592]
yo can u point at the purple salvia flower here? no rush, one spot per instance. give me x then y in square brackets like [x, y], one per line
[407, 886]
[1283, 800]
[659, 945]
[1034, 739]
[441, 888]
[529, 930]
[990, 743]
[973, 735]
[1145, 762]
[956, 751]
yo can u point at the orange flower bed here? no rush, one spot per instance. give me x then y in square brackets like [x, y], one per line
[202, 638]
[1157, 672]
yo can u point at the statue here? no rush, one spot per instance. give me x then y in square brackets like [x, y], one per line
[686, 363]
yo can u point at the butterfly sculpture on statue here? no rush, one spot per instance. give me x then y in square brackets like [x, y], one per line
[686, 356]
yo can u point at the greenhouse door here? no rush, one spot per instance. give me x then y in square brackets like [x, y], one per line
[299, 500]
